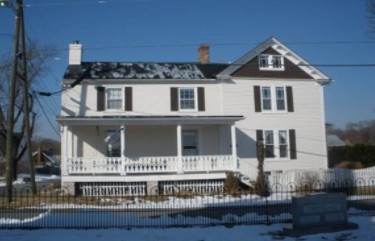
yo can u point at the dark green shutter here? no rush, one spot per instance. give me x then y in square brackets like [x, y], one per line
[100, 105]
[257, 103]
[128, 98]
[201, 99]
[259, 135]
[289, 98]
[293, 144]
[174, 99]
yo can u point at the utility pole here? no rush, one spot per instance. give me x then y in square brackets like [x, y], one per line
[11, 101]
[26, 106]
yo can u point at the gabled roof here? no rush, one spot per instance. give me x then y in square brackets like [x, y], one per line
[277, 46]
[144, 71]
[334, 140]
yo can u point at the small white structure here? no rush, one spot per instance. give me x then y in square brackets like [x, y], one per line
[134, 128]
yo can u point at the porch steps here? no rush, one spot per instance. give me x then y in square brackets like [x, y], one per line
[246, 180]
[247, 172]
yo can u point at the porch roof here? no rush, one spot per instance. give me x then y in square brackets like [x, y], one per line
[148, 120]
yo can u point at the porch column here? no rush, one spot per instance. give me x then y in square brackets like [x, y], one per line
[179, 149]
[122, 136]
[122, 139]
[64, 151]
[234, 146]
[69, 142]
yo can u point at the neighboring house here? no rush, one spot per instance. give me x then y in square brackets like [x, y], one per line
[334, 141]
[142, 128]
[45, 162]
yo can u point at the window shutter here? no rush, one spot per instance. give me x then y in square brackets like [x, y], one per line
[201, 99]
[259, 135]
[257, 103]
[100, 100]
[128, 98]
[174, 99]
[293, 145]
[289, 98]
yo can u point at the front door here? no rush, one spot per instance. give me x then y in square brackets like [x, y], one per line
[190, 143]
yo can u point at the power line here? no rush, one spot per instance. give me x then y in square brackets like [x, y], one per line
[83, 2]
[218, 44]
[47, 117]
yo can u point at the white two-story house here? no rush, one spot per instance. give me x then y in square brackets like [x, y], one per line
[144, 128]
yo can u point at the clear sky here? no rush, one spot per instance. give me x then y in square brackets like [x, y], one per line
[324, 32]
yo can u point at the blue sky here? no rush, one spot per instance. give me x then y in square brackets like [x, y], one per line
[321, 31]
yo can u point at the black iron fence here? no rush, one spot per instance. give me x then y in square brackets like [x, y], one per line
[54, 207]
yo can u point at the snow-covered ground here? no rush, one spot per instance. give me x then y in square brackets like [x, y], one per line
[217, 233]
[39, 178]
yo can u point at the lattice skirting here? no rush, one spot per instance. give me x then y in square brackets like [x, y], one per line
[191, 187]
[111, 189]
[117, 189]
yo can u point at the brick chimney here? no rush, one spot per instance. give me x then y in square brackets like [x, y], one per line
[75, 53]
[204, 54]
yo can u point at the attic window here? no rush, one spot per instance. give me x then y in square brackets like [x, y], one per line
[271, 62]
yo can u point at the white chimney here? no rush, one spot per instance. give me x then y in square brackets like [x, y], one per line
[75, 53]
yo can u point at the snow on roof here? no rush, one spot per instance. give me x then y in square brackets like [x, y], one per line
[118, 70]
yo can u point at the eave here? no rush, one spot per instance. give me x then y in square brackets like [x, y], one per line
[148, 120]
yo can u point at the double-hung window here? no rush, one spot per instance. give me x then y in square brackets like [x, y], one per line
[269, 144]
[283, 143]
[280, 98]
[114, 98]
[266, 98]
[187, 99]
[276, 144]
[271, 62]
[273, 99]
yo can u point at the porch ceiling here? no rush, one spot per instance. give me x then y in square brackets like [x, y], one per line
[148, 120]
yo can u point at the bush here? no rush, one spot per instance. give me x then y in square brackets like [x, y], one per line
[307, 181]
[231, 183]
[349, 165]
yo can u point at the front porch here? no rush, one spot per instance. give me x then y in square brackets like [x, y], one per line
[148, 145]
[147, 152]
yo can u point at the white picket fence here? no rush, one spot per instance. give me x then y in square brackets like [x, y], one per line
[319, 178]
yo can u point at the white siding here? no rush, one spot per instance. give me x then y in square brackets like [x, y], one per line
[148, 99]
[307, 119]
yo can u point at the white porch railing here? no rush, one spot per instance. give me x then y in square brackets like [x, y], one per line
[123, 166]
[207, 163]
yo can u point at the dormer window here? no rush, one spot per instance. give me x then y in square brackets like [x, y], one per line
[271, 62]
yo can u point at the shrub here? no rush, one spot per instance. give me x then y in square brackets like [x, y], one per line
[358, 153]
[349, 165]
[231, 183]
[307, 181]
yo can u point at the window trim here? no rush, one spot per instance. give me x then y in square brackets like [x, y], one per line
[274, 99]
[276, 145]
[195, 89]
[122, 91]
[270, 66]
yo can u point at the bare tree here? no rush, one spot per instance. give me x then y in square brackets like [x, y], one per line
[36, 61]
[362, 132]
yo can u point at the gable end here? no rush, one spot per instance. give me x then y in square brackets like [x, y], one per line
[251, 69]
